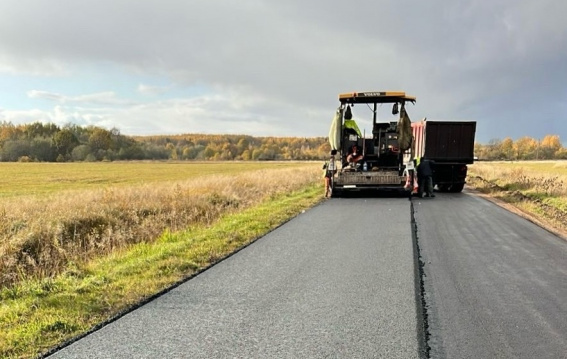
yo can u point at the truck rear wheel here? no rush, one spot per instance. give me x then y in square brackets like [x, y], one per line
[457, 187]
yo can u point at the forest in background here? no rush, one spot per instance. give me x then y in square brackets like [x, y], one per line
[72, 143]
[524, 148]
[38, 142]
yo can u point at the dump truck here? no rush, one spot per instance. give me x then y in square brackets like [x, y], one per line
[384, 165]
[450, 144]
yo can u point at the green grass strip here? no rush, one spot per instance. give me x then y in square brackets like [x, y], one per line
[37, 316]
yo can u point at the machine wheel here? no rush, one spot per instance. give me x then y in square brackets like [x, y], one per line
[335, 192]
[443, 188]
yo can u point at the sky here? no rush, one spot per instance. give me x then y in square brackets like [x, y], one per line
[275, 68]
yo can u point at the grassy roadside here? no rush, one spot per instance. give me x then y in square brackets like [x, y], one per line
[41, 234]
[38, 315]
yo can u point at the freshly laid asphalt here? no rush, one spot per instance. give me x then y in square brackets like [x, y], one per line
[495, 283]
[338, 281]
[342, 281]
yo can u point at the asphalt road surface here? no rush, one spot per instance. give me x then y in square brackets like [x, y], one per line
[495, 284]
[342, 281]
[335, 282]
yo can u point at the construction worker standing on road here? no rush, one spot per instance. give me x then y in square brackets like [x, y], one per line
[425, 177]
[330, 169]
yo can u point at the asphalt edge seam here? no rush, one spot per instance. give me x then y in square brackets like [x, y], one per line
[420, 303]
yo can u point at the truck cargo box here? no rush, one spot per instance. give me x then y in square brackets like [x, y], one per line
[445, 141]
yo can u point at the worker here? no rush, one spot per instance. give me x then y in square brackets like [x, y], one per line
[425, 177]
[354, 155]
[330, 170]
[350, 126]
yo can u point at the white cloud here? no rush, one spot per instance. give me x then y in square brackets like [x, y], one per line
[46, 95]
[152, 90]
[223, 112]
[102, 98]
[15, 64]
[24, 116]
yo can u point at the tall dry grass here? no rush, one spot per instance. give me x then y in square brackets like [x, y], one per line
[528, 177]
[40, 236]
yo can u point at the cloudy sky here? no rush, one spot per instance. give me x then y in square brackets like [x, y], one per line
[276, 67]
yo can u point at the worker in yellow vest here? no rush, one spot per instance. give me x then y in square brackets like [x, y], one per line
[350, 125]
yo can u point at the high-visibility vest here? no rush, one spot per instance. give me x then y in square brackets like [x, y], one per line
[351, 124]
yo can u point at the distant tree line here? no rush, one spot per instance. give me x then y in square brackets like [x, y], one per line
[71, 143]
[525, 148]
[40, 142]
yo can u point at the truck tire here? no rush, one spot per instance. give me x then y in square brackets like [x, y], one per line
[457, 187]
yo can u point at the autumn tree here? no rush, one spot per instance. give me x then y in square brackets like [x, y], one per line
[549, 146]
[64, 141]
[38, 129]
[480, 151]
[561, 154]
[525, 148]
[507, 148]
[8, 131]
[100, 139]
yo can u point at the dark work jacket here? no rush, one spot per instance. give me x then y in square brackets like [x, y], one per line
[425, 168]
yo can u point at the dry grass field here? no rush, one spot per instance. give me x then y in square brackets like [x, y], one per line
[80, 243]
[25, 179]
[538, 188]
[55, 214]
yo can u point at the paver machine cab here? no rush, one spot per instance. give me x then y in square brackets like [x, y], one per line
[387, 161]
